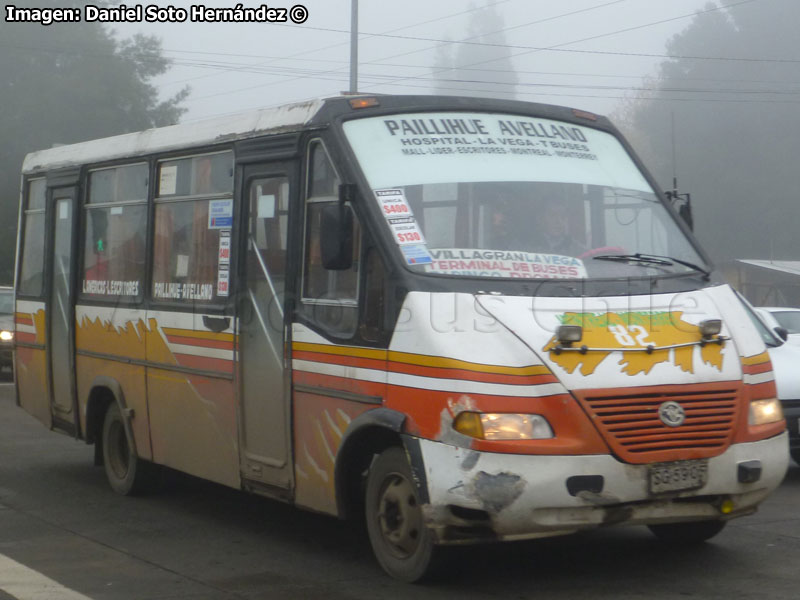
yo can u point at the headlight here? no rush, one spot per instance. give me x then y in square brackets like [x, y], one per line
[765, 411]
[6, 336]
[502, 426]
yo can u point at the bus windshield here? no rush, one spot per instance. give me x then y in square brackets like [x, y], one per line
[499, 195]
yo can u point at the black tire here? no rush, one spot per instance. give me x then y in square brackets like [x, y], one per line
[127, 474]
[690, 533]
[795, 453]
[402, 544]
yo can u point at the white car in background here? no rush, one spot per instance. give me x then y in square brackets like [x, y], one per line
[787, 318]
[785, 358]
[7, 328]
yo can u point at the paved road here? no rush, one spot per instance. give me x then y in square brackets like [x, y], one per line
[62, 527]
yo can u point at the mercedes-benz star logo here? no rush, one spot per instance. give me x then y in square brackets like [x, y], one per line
[671, 414]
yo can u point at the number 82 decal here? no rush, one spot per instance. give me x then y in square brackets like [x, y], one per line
[633, 335]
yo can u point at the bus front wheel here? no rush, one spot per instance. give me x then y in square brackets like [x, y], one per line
[126, 472]
[402, 544]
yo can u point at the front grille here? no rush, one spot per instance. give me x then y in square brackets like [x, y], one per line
[631, 425]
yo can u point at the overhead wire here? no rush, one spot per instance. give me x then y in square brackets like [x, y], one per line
[214, 65]
[379, 79]
[557, 47]
[268, 84]
[537, 22]
[629, 29]
[369, 35]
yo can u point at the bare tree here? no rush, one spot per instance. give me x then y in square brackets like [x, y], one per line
[731, 90]
[481, 66]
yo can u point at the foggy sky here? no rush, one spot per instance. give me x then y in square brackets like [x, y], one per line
[233, 67]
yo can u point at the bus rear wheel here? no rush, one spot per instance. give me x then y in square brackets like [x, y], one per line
[402, 544]
[690, 533]
[126, 472]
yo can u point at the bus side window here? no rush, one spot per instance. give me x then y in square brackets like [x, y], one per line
[330, 297]
[193, 222]
[114, 236]
[266, 245]
[32, 268]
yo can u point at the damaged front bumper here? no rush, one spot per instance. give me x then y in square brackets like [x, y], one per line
[471, 496]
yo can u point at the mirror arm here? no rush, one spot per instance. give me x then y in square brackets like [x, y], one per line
[347, 193]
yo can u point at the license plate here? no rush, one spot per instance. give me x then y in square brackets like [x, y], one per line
[677, 476]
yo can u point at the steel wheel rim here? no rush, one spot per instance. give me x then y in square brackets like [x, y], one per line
[118, 451]
[399, 516]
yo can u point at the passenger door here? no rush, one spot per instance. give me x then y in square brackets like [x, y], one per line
[60, 311]
[265, 424]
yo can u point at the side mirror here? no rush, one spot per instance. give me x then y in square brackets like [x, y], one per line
[782, 332]
[336, 236]
[685, 211]
[683, 204]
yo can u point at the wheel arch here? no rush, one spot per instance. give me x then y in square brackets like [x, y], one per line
[367, 435]
[103, 392]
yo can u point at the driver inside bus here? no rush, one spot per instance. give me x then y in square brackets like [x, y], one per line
[505, 231]
[547, 226]
[558, 229]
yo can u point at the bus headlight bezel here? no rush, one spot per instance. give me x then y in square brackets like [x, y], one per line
[503, 426]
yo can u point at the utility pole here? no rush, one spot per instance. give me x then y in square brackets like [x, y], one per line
[353, 46]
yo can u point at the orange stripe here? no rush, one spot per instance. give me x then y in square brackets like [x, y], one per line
[203, 343]
[203, 335]
[765, 389]
[371, 388]
[24, 336]
[754, 369]
[23, 319]
[420, 359]
[205, 363]
[365, 388]
[435, 372]
[378, 390]
[375, 354]
[452, 363]
[346, 361]
[444, 373]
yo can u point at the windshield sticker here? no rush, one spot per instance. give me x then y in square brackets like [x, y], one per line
[406, 231]
[400, 217]
[223, 280]
[416, 255]
[168, 181]
[505, 263]
[393, 203]
[220, 214]
[634, 331]
[224, 256]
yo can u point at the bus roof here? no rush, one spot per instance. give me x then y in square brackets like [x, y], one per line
[217, 130]
[254, 123]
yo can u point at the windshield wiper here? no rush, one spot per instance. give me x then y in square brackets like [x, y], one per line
[653, 259]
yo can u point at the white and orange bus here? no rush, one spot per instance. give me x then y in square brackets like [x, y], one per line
[466, 319]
